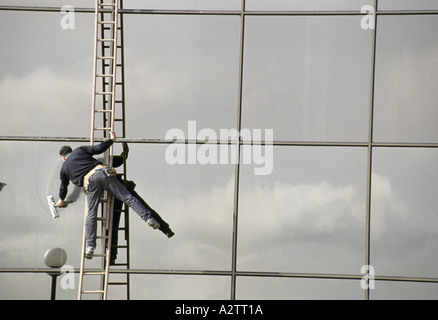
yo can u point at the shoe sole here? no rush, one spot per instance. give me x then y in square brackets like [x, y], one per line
[153, 224]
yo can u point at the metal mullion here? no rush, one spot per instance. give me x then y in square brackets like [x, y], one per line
[237, 166]
[370, 148]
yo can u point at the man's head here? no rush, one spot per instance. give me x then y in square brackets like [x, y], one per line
[64, 152]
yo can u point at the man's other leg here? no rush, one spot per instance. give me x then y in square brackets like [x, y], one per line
[164, 226]
[120, 192]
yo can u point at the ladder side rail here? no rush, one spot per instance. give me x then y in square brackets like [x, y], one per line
[93, 102]
[93, 107]
[119, 30]
[107, 248]
[105, 82]
[110, 203]
[114, 65]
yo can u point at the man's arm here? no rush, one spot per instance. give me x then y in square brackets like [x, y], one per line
[101, 147]
[63, 189]
[118, 160]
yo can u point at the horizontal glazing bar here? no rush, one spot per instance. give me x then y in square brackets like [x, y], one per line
[220, 12]
[230, 273]
[242, 142]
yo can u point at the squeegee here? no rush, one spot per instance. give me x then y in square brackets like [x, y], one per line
[52, 206]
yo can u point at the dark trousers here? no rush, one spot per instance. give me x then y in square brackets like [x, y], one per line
[99, 182]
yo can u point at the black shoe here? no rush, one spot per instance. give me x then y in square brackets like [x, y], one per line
[169, 233]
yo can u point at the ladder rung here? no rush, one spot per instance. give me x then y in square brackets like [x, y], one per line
[106, 4]
[93, 291]
[104, 75]
[105, 58]
[105, 40]
[102, 128]
[106, 22]
[101, 237]
[102, 93]
[94, 273]
[101, 255]
[103, 111]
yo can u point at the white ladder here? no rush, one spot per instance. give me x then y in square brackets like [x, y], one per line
[107, 109]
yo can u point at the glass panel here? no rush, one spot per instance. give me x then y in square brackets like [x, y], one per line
[28, 286]
[49, 3]
[176, 287]
[184, 4]
[197, 202]
[404, 220]
[180, 68]
[46, 74]
[308, 215]
[252, 288]
[406, 73]
[306, 4]
[391, 290]
[309, 84]
[408, 5]
[27, 229]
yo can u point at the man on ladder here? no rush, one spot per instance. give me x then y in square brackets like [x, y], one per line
[83, 170]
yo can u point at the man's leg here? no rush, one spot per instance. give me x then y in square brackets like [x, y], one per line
[164, 226]
[93, 196]
[118, 205]
[120, 192]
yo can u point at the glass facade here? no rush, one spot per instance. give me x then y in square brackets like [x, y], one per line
[344, 192]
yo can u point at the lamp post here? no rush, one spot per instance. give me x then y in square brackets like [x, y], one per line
[55, 258]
